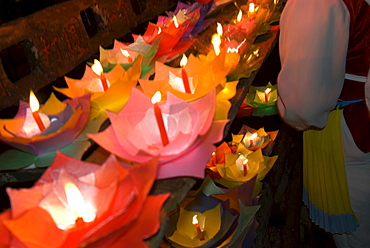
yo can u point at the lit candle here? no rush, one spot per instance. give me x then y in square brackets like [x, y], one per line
[245, 163]
[214, 158]
[158, 116]
[127, 55]
[216, 39]
[252, 11]
[34, 106]
[184, 75]
[175, 22]
[98, 69]
[242, 164]
[239, 17]
[267, 91]
[251, 139]
[196, 224]
[83, 212]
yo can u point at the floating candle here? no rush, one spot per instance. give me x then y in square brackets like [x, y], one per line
[34, 106]
[196, 224]
[184, 75]
[158, 116]
[98, 69]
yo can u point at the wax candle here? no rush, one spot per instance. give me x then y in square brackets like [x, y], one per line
[158, 116]
[184, 75]
[214, 159]
[242, 164]
[251, 139]
[196, 224]
[98, 69]
[34, 106]
[239, 17]
[251, 11]
[267, 91]
[127, 55]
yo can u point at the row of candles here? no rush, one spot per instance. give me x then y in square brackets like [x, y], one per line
[201, 111]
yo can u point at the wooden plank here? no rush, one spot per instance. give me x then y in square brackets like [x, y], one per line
[57, 39]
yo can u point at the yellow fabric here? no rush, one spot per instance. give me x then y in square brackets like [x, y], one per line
[323, 167]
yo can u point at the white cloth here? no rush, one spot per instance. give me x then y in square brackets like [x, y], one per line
[313, 47]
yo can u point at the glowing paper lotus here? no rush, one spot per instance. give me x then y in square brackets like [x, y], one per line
[169, 37]
[253, 139]
[65, 121]
[79, 204]
[263, 100]
[202, 79]
[232, 168]
[114, 98]
[126, 54]
[134, 134]
[212, 207]
[186, 234]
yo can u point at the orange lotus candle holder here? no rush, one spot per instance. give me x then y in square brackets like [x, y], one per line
[82, 204]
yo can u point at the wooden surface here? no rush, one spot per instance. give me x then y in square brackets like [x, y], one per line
[48, 44]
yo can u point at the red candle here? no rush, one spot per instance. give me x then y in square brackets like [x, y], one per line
[245, 162]
[184, 75]
[214, 160]
[127, 55]
[104, 82]
[98, 69]
[199, 231]
[34, 106]
[267, 91]
[158, 116]
[253, 136]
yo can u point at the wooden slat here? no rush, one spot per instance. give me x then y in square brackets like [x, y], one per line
[55, 39]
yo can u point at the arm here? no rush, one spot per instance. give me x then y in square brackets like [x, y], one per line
[313, 47]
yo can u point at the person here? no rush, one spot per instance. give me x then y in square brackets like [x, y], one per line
[324, 90]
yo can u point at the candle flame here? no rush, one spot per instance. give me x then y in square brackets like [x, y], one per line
[268, 90]
[125, 53]
[77, 204]
[251, 7]
[159, 30]
[256, 52]
[220, 30]
[34, 103]
[253, 136]
[97, 68]
[195, 219]
[156, 97]
[216, 42]
[183, 61]
[175, 21]
[240, 15]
